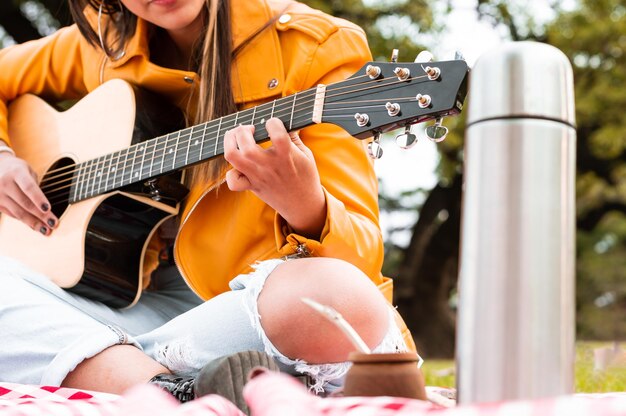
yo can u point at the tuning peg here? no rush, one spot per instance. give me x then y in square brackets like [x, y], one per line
[407, 139]
[374, 149]
[423, 57]
[423, 100]
[458, 56]
[373, 71]
[432, 71]
[393, 109]
[394, 56]
[437, 132]
[361, 119]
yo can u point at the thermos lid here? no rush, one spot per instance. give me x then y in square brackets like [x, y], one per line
[522, 79]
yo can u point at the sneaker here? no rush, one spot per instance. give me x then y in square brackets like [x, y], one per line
[227, 375]
[177, 386]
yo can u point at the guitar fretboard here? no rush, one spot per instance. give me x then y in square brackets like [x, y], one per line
[183, 148]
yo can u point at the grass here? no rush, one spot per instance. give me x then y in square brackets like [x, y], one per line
[441, 372]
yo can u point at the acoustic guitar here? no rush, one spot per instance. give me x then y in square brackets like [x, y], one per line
[110, 165]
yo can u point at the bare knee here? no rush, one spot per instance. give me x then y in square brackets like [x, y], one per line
[297, 331]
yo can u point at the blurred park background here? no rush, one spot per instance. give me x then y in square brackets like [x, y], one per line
[421, 199]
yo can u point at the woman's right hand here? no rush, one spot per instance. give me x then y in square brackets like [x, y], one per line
[21, 197]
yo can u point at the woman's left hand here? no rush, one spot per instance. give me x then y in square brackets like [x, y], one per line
[284, 175]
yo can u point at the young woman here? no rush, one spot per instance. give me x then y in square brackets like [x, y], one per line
[260, 229]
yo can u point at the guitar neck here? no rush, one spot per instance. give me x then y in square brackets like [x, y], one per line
[379, 97]
[183, 148]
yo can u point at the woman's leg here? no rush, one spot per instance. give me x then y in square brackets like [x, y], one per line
[48, 333]
[264, 312]
[114, 370]
[298, 331]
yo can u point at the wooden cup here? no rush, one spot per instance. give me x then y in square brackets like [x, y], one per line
[393, 374]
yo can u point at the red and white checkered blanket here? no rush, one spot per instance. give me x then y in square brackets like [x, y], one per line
[276, 395]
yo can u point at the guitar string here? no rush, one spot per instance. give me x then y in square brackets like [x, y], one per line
[55, 197]
[230, 115]
[335, 87]
[286, 104]
[61, 193]
[189, 133]
[91, 179]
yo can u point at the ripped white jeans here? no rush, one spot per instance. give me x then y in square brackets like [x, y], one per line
[45, 332]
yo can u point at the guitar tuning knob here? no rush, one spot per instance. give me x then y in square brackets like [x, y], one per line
[423, 57]
[374, 149]
[394, 56]
[407, 139]
[437, 132]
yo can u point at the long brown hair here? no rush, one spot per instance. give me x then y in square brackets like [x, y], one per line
[213, 59]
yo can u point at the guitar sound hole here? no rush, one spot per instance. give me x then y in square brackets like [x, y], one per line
[56, 184]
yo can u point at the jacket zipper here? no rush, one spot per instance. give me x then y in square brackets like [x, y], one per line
[302, 250]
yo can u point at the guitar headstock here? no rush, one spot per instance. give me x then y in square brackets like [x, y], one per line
[386, 96]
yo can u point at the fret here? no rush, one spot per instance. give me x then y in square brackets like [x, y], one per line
[273, 105]
[142, 175]
[229, 122]
[134, 174]
[217, 137]
[122, 165]
[161, 141]
[83, 180]
[118, 169]
[133, 163]
[253, 113]
[112, 169]
[264, 113]
[136, 170]
[181, 147]
[89, 173]
[170, 152]
[106, 166]
[176, 149]
[154, 156]
[202, 140]
[293, 107]
[196, 140]
[189, 145]
[303, 114]
[79, 181]
[246, 117]
[99, 175]
[91, 178]
[73, 183]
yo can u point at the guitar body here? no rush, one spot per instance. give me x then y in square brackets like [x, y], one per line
[97, 249]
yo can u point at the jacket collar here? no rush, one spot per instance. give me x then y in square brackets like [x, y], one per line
[257, 72]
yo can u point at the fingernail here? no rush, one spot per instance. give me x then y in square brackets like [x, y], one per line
[45, 207]
[51, 222]
[43, 230]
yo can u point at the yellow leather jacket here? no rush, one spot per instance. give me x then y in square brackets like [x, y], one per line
[222, 233]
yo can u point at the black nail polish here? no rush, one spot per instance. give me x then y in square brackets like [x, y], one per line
[43, 230]
[51, 222]
[45, 207]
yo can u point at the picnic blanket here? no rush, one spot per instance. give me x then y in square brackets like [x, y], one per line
[275, 394]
